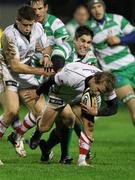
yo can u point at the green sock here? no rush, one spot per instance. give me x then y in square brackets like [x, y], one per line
[65, 141]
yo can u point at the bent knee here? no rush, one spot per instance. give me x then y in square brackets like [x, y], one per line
[69, 122]
[44, 128]
[11, 113]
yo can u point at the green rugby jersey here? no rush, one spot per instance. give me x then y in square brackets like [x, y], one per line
[56, 33]
[68, 52]
[112, 57]
[55, 30]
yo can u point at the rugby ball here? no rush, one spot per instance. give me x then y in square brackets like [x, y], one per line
[89, 100]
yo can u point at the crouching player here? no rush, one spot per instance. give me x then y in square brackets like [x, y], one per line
[68, 87]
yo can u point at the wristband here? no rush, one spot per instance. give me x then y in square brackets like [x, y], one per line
[47, 55]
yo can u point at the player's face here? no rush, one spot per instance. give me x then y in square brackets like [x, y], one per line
[25, 26]
[40, 10]
[81, 15]
[98, 11]
[97, 89]
[83, 44]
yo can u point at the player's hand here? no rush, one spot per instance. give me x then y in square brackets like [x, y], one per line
[48, 71]
[46, 62]
[38, 47]
[30, 96]
[113, 40]
[90, 110]
[48, 66]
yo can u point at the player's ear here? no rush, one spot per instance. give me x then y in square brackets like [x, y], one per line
[46, 7]
[16, 20]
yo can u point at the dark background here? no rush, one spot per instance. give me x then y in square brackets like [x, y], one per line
[65, 8]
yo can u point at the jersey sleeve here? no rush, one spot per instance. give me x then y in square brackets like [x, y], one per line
[8, 37]
[90, 58]
[64, 50]
[126, 26]
[110, 96]
[59, 31]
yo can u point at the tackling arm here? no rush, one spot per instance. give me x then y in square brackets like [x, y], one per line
[110, 108]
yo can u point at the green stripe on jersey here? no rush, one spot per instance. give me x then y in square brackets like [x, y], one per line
[116, 56]
[51, 19]
[60, 32]
[124, 22]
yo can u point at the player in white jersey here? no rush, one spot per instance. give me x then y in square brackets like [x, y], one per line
[23, 36]
[56, 34]
[112, 34]
[80, 18]
[68, 88]
[78, 50]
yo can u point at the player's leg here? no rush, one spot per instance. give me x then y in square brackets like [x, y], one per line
[10, 102]
[127, 95]
[65, 130]
[125, 81]
[85, 126]
[125, 85]
[45, 122]
[86, 140]
[62, 133]
[28, 122]
[54, 106]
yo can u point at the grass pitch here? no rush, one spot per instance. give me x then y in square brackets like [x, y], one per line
[114, 147]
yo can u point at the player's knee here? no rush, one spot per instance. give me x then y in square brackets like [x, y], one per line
[89, 128]
[44, 128]
[129, 100]
[12, 113]
[70, 121]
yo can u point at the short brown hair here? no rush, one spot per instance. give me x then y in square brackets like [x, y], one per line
[108, 78]
[26, 12]
[30, 2]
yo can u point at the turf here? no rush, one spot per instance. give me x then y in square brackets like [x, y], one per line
[114, 147]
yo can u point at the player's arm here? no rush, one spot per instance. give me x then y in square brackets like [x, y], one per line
[58, 63]
[12, 56]
[128, 36]
[42, 89]
[60, 54]
[110, 108]
[43, 46]
[60, 34]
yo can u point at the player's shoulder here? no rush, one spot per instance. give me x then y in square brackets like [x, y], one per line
[38, 27]
[114, 17]
[53, 20]
[10, 31]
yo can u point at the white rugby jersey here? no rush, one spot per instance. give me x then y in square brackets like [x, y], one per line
[112, 57]
[25, 49]
[70, 81]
